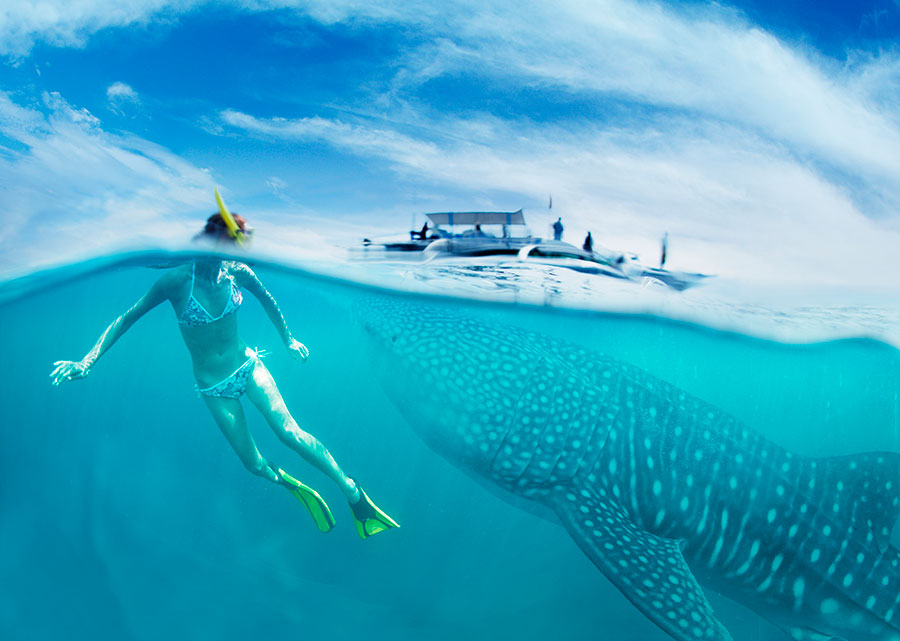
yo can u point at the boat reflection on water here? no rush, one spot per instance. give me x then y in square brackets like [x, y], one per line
[508, 235]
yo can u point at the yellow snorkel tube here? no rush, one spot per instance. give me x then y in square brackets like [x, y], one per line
[233, 230]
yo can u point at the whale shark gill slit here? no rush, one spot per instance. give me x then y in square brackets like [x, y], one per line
[538, 449]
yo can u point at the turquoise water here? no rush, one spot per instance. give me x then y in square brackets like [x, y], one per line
[125, 514]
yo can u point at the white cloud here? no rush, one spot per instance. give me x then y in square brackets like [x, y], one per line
[275, 183]
[360, 140]
[120, 96]
[120, 92]
[67, 170]
[708, 63]
[70, 23]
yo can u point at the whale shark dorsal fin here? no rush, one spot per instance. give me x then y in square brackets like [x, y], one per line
[869, 484]
[649, 570]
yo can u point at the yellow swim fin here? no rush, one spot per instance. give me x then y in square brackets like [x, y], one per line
[369, 518]
[311, 500]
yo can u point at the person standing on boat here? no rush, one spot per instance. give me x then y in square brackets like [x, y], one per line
[588, 245]
[558, 229]
[665, 247]
[226, 368]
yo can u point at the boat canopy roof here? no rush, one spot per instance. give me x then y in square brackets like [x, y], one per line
[478, 218]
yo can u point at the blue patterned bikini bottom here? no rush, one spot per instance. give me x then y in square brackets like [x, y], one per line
[234, 385]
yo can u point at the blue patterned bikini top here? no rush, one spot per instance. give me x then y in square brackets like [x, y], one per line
[196, 315]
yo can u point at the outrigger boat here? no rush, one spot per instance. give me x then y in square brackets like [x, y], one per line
[515, 239]
[475, 241]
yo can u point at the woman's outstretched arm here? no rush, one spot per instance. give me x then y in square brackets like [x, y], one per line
[249, 281]
[72, 370]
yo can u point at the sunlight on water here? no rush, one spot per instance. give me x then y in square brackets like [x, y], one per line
[127, 515]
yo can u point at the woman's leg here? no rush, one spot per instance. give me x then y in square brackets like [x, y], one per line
[264, 394]
[229, 416]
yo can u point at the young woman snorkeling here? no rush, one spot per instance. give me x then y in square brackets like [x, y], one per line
[205, 295]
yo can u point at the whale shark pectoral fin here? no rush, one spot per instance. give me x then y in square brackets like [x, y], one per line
[649, 570]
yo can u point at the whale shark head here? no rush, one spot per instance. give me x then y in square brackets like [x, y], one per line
[456, 380]
[411, 351]
[433, 337]
[393, 328]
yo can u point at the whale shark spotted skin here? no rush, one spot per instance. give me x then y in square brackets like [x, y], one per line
[662, 491]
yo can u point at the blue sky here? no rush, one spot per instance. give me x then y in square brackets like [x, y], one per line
[763, 136]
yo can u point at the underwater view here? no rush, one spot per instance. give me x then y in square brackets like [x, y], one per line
[535, 458]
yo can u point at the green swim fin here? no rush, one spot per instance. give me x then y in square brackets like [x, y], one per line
[369, 518]
[316, 505]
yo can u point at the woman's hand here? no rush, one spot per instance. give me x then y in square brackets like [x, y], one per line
[68, 371]
[298, 350]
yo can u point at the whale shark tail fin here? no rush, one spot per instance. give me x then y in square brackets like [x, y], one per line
[865, 489]
[649, 570]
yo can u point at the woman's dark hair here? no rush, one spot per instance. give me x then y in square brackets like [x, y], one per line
[216, 227]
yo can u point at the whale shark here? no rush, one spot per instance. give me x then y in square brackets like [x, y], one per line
[666, 494]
